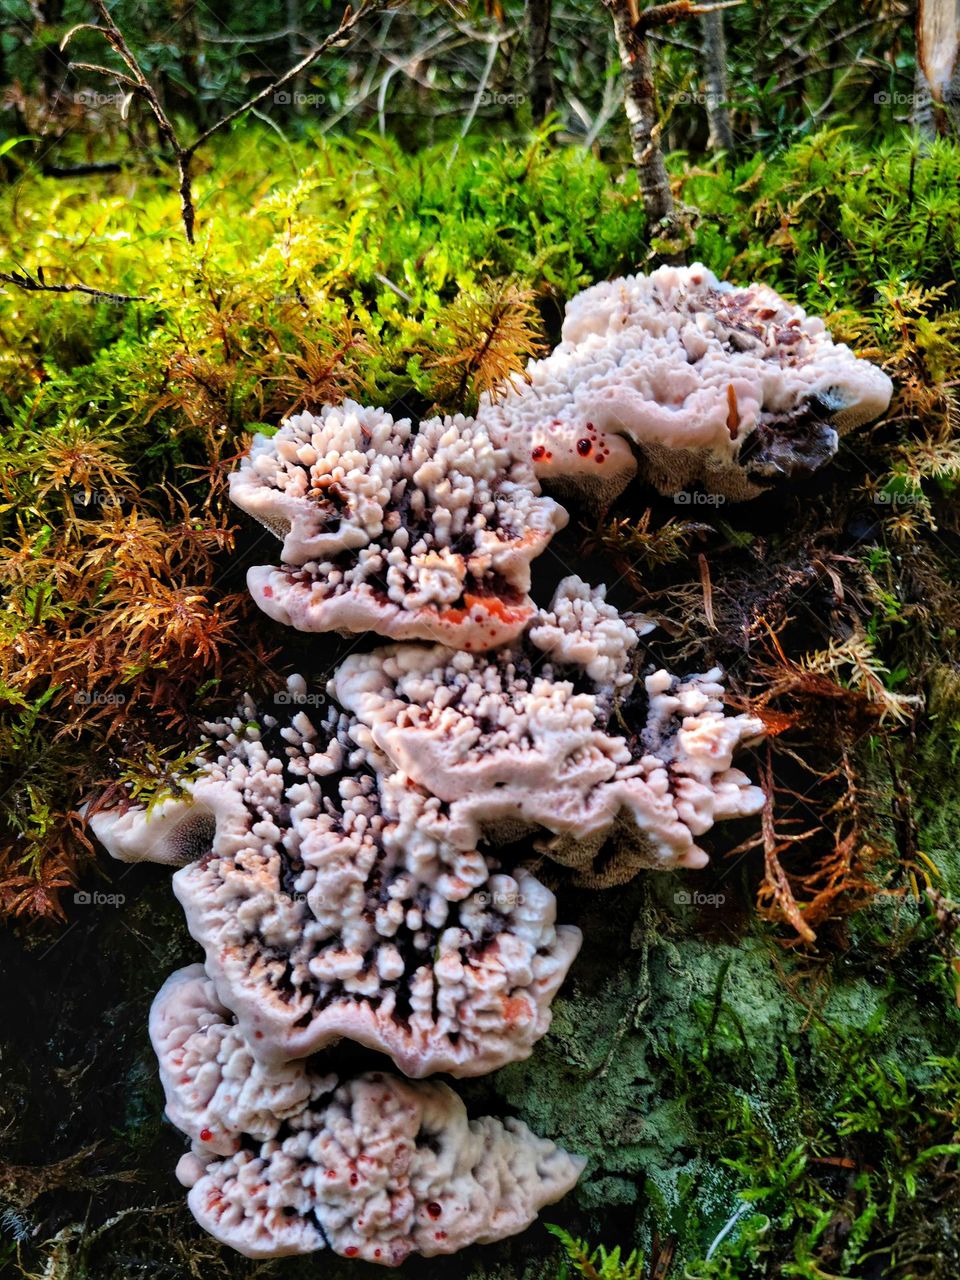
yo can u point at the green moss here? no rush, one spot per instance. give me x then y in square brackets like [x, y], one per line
[699, 1063]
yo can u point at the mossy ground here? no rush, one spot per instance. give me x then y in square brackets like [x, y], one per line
[698, 1054]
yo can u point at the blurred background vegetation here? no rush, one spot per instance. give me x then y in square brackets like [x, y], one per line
[418, 71]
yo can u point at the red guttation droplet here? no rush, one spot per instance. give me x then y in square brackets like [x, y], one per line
[206, 1135]
[538, 453]
[351, 1251]
[354, 1179]
[434, 1209]
[584, 447]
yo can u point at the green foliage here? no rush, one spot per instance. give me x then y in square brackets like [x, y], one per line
[352, 267]
[596, 1264]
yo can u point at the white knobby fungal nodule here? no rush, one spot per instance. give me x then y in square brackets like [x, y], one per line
[288, 1160]
[713, 385]
[423, 533]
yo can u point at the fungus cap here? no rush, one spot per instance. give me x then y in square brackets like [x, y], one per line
[331, 905]
[375, 1167]
[511, 743]
[715, 385]
[414, 534]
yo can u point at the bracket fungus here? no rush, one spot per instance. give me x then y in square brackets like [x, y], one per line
[290, 1160]
[538, 736]
[344, 867]
[415, 533]
[716, 386]
[328, 906]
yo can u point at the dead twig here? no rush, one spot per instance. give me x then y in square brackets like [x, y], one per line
[136, 81]
[29, 284]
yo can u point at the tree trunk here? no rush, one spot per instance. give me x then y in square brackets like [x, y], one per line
[922, 114]
[639, 101]
[938, 53]
[715, 67]
[538, 47]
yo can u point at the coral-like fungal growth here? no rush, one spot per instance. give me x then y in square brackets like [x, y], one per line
[533, 737]
[423, 533]
[718, 386]
[286, 1161]
[329, 904]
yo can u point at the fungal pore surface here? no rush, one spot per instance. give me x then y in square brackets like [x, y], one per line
[423, 533]
[712, 385]
[291, 1160]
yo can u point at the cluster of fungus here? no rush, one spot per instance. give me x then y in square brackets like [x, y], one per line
[288, 1159]
[700, 382]
[412, 533]
[329, 904]
[351, 859]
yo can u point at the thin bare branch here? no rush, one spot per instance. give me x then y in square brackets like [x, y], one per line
[660, 15]
[137, 82]
[347, 24]
[31, 285]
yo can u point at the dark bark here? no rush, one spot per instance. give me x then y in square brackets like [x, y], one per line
[639, 101]
[542, 90]
[715, 69]
[938, 52]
